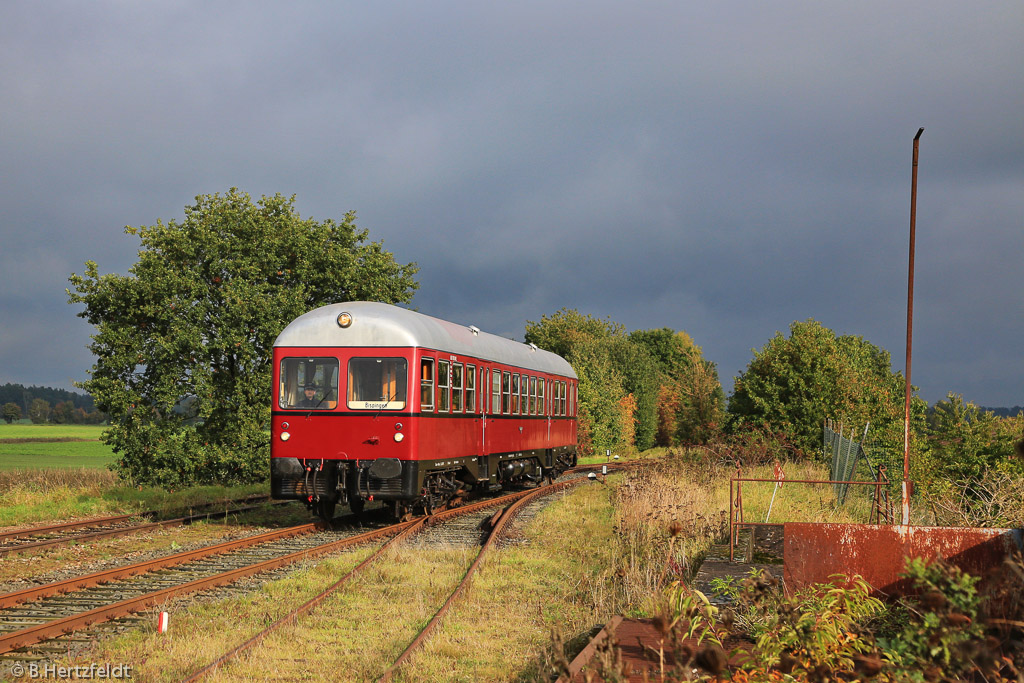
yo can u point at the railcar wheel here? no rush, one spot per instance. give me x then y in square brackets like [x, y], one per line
[325, 509]
[400, 511]
[356, 505]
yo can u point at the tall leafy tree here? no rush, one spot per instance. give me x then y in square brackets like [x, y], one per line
[639, 372]
[566, 328]
[618, 379]
[183, 341]
[39, 411]
[602, 419]
[793, 383]
[691, 400]
[587, 343]
[11, 412]
[965, 441]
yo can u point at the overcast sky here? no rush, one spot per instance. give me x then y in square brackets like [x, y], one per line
[721, 168]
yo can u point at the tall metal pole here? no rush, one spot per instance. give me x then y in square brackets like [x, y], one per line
[910, 334]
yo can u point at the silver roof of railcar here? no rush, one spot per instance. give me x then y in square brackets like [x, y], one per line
[376, 324]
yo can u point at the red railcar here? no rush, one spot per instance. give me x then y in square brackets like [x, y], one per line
[372, 401]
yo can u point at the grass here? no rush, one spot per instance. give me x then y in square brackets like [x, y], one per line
[35, 497]
[59, 473]
[800, 502]
[50, 431]
[52, 446]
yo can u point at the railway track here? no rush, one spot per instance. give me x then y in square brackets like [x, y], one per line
[40, 613]
[510, 505]
[37, 539]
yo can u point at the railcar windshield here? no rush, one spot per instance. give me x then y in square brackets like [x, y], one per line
[377, 383]
[308, 384]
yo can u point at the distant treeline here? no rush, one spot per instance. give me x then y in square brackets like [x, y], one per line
[1005, 412]
[23, 396]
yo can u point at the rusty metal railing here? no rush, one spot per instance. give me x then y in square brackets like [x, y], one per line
[882, 511]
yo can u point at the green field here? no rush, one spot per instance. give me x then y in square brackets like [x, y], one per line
[39, 447]
[30, 431]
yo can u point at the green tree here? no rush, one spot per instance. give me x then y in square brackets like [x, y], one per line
[587, 343]
[674, 351]
[794, 383]
[601, 423]
[194, 321]
[39, 411]
[563, 330]
[964, 441]
[63, 413]
[639, 373]
[11, 412]
[691, 395]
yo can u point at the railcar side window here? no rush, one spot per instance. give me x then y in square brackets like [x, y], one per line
[377, 383]
[496, 392]
[444, 383]
[457, 384]
[541, 406]
[506, 405]
[427, 384]
[471, 389]
[308, 383]
[533, 396]
[515, 393]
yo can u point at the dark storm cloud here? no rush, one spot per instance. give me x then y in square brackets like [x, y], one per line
[725, 169]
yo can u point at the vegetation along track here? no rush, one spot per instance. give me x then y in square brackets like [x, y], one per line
[497, 523]
[40, 613]
[36, 539]
[43, 612]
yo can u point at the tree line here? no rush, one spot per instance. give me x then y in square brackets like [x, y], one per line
[654, 387]
[183, 345]
[47, 404]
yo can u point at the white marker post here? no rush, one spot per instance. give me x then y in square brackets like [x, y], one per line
[779, 477]
[162, 622]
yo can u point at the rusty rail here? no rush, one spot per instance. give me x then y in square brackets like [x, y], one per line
[37, 546]
[55, 628]
[495, 533]
[101, 521]
[52, 629]
[97, 578]
[411, 528]
[406, 529]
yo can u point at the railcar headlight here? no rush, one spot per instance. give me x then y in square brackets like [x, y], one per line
[285, 436]
[399, 436]
[344, 319]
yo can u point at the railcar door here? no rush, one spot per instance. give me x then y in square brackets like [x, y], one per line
[484, 392]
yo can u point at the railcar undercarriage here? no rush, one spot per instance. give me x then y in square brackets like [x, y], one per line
[407, 486]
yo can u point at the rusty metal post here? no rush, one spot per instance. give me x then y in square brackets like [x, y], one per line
[732, 519]
[910, 333]
[876, 514]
